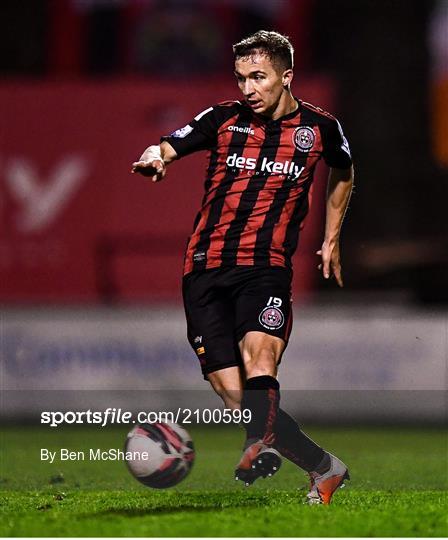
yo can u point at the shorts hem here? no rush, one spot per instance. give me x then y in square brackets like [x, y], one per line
[206, 371]
[228, 266]
[239, 335]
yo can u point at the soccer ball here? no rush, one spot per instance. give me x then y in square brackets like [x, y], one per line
[159, 455]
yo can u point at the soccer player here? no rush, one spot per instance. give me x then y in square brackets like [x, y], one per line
[237, 272]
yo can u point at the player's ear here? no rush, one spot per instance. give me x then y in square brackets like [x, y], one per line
[287, 77]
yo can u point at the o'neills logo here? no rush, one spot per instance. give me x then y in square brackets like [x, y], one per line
[288, 168]
[242, 129]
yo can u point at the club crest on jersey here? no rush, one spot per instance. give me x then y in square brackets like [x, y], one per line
[303, 138]
[271, 318]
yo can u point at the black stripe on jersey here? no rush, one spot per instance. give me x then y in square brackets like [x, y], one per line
[237, 144]
[250, 195]
[308, 118]
[214, 155]
[292, 232]
[208, 180]
[264, 236]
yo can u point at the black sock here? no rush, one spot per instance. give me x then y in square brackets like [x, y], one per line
[261, 396]
[294, 445]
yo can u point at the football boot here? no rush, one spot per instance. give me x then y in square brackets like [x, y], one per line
[324, 485]
[258, 459]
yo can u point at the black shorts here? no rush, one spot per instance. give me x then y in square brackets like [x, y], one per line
[223, 304]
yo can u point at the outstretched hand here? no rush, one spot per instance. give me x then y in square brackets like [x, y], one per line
[150, 164]
[331, 261]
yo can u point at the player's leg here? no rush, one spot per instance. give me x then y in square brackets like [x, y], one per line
[327, 473]
[228, 384]
[210, 321]
[261, 352]
[263, 309]
[263, 322]
[272, 428]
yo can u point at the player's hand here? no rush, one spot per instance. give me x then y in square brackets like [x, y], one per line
[150, 164]
[331, 261]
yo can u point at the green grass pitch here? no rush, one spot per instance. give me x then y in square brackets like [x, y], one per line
[398, 488]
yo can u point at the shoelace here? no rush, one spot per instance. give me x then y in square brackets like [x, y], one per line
[313, 495]
[314, 498]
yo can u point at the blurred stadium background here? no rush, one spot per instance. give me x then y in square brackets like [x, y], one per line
[91, 257]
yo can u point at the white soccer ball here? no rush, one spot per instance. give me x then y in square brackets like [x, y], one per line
[159, 455]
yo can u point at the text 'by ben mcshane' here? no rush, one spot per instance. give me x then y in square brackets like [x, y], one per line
[92, 454]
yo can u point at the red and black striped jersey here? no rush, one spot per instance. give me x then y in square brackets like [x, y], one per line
[257, 181]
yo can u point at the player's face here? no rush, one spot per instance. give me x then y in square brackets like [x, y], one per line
[261, 83]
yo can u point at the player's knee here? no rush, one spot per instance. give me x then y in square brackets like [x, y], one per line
[256, 348]
[255, 355]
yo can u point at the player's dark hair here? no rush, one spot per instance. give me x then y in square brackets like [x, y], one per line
[275, 46]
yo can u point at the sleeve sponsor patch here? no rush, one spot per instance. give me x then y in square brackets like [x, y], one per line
[182, 132]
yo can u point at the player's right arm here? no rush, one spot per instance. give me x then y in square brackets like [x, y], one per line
[153, 161]
[200, 134]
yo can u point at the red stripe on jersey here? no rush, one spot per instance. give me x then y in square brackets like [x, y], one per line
[280, 228]
[279, 233]
[225, 137]
[231, 204]
[256, 220]
[224, 140]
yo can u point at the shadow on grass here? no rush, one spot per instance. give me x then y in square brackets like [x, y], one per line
[188, 502]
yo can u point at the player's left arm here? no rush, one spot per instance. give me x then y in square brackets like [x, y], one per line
[340, 185]
[336, 153]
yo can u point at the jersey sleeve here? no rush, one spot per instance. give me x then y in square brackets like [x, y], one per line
[199, 134]
[336, 150]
